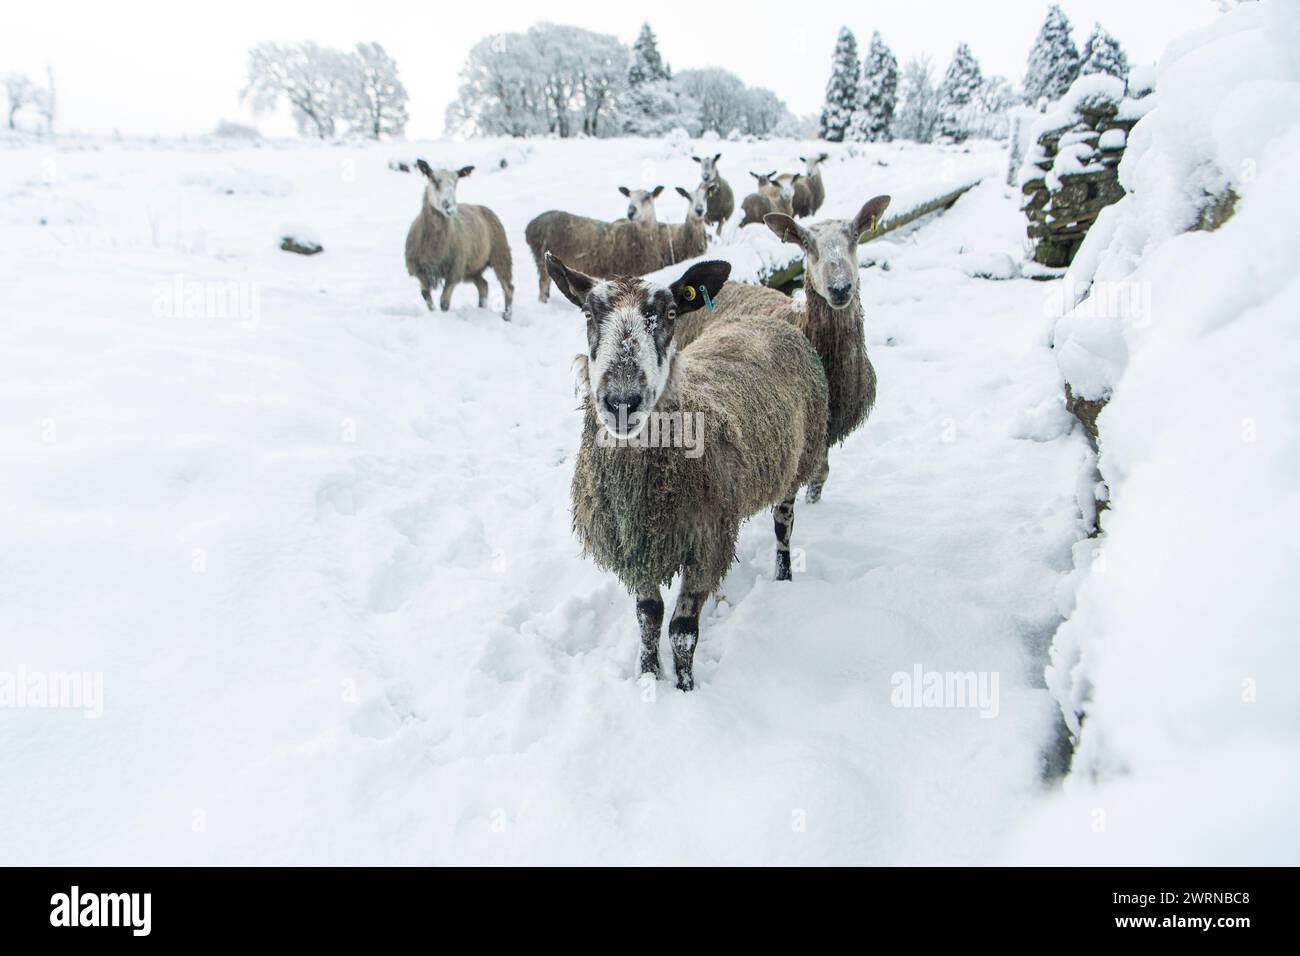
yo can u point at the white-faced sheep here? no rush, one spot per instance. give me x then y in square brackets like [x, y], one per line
[770, 197]
[679, 241]
[647, 507]
[722, 201]
[832, 316]
[812, 180]
[451, 243]
[800, 192]
[630, 246]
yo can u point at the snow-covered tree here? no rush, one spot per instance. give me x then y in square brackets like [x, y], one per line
[917, 117]
[878, 95]
[1054, 59]
[501, 89]
[21, 93]
[957, 94]
[554, 79]
[725, 105]
[378, 98]
[990, 112]
[318, 84]
[1103, 54]
[647, 65]
[653, 104]
[842, 89]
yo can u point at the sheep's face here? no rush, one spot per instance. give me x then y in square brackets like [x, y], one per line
[630, 325]
[708, 167]
[698, 199]
[641, 203]
[813, 164]
[785, 183]
[830, 250]
[440, 192]
[764, 179]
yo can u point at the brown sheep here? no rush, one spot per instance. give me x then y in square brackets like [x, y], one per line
[452, 242]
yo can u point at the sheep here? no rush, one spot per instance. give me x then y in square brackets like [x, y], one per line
[630, 246]
[769, 197]
[722, 201]
[813, 180]
[832, 317]
[647, 510]
[453, 243]
[687, 240]
[801, 196]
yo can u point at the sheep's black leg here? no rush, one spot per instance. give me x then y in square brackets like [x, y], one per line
[650, 615]
[428, 298]
[444, 300]
[684, 634]
[819, 479]
[543, 284]
[783, 518]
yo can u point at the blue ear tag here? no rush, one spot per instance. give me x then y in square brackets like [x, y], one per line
[707, 300]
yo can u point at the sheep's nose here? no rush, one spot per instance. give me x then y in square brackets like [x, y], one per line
[840, 293]
[631, 214]
[623, 404]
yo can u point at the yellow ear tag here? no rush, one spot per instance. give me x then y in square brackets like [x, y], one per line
[689, 293]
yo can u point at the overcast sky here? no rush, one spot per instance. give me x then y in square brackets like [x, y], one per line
[157, 67]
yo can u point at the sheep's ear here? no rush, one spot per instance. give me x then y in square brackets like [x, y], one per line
[868, 216]
[683, 192]
[716, 157]
[654, 193]
[687, 292]
[464, 171]
[575, 285]
[822, 157]
[758, 176]
[802, 160]
[786, 229]
[796, 177]
[697, 159]
[423, 167]
[624, 190]
[713, 188]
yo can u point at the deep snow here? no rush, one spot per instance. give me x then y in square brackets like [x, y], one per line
[318, 546]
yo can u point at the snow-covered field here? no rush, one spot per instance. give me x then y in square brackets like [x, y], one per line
[315, 540]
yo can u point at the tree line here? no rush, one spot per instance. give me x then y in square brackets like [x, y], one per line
[870, 100]
[559, 80]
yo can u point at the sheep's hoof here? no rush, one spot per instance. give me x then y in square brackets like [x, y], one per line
[814, 494]
[685, 681]
[783, 566]
[505, 316]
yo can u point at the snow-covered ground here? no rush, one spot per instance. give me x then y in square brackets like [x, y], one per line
[315, 540]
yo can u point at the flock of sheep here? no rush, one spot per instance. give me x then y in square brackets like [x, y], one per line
[772, 384]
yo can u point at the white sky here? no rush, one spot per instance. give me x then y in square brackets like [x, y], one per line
[145, 67]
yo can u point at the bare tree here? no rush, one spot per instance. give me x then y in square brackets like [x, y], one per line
[918, 116]
[22, 92]
[379, 99]
[319, 84]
